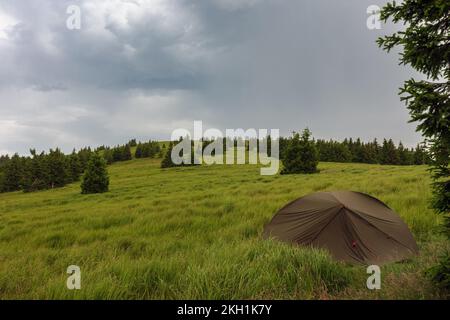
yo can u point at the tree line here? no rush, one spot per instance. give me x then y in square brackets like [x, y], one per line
[116, 154]
[371, 152]
[41, 171]
[348, 150]
[150, 149]
[54, 169]
[301, 153]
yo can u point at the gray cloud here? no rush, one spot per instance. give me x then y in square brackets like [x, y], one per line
[143, 68]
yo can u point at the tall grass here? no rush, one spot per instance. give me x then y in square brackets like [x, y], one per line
[195, 233]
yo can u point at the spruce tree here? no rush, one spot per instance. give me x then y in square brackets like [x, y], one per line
[145, 150]
[167, 160]
[375, 151]
[3, 160]
[108, 155]
[13, 172]
[1, 181]
[132, 143]
[358, 155]
[269, 145]
[36, 173]
[138, 152]
[154, 148]
[126, 153]
[27, 178]
[117, 154]
[75, 166]
[162, 152]
[389, 153]
[58, 167]
[342, 152]
[419, 155]
[425, 45]
[404, 155]
[301, 155]
[84, 155]
[95, 179]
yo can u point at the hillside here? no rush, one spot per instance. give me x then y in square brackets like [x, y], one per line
[196, 233]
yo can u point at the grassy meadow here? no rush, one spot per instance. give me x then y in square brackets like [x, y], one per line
[195, 233]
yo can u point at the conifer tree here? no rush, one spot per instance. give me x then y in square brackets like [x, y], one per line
[388, 153]
[284, 142]
[145, 150]
[404, 155]
[108, 155]
[162, 151]
[3, 160]
[27, 178]
[75, 166]
[419, 155]
[1, 181]
[358, 151]
[36, 173]
[13, 172]
[167, 160]
[156, 148]
[126, 153]
[375, 151]
[117, 154]
[58, 169]
[138, 152]
[425, 46]
[132, 143]
[84, 155]
[95, 178]
[301, 155]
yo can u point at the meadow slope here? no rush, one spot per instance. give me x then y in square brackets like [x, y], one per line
[191, 233]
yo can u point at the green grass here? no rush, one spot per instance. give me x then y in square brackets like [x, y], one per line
[195, 233]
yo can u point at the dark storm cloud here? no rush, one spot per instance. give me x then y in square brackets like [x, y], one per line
[143, 68]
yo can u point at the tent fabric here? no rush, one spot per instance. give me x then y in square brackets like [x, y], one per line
[353, 226]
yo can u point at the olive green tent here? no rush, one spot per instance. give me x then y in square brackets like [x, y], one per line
[352, 226]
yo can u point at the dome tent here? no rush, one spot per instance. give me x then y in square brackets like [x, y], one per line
[353, 226]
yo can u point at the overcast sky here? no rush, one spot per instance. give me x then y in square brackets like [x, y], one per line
[142, 68]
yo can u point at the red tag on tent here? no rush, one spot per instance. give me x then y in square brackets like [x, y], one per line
[354, 244]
